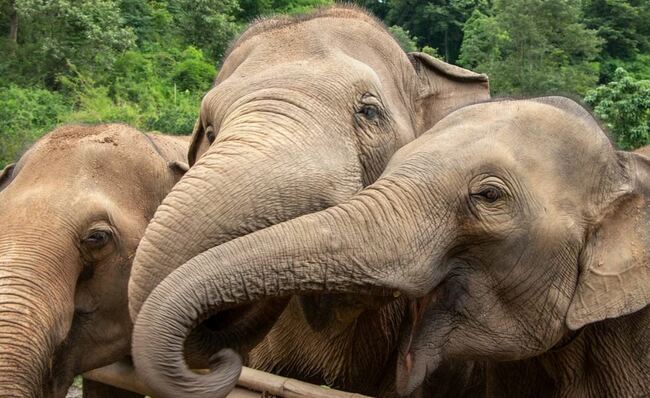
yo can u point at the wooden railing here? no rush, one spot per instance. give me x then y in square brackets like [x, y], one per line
[252, 384]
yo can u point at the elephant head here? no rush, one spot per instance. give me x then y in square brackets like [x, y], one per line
[72, 211]
[304, 113]
[506, 226]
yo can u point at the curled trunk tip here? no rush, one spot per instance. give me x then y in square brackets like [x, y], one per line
[171, 377]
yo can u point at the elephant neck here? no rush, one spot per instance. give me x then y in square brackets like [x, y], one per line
[607, 358]
[358, 359]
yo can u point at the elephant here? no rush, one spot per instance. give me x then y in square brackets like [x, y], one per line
[515, 230]
[72, 211]
[644, 150]
[304, 113]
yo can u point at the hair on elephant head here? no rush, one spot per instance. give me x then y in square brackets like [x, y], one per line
[305, 112]
[515, 230]
[77, 204]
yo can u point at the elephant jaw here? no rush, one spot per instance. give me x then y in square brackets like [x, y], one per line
[412, 365]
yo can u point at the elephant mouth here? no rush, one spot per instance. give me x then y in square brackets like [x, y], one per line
[411, 368]
[58, 380]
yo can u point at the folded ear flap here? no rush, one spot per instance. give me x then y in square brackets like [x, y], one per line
[615, 264]
[178, 168]
[6, 175]
[202, 138]
[196, 143]
[443, 87]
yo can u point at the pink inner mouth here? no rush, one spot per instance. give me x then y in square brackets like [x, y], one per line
[417, 308]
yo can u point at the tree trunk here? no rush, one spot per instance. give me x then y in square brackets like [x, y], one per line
[13, 30]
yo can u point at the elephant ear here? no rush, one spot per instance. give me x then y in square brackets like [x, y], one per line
[199, 143]
[178, 169]
[443, 87]
[615, 264]
[6, 175]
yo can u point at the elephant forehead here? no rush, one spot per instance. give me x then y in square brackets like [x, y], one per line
[102, 152]
[533, 132]
[552, 150]
[287, 39]
[305, 84]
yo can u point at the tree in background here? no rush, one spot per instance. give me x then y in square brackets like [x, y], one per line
[435, 23]
[251, 9]
[38, 109]
[625, 29]
[149, 62]
[207, 24]
[532, 46]
[404, 38]
[622, 24]
[151, 21]
[51, 35]
[624, 106]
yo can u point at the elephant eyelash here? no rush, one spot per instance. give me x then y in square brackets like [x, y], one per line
[210, 135]
[97, 239]
[369, 112]
[489, 194]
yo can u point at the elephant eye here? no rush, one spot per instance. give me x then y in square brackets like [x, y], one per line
[97, 239]
[210, 134]
[489, 194]
[369, 111]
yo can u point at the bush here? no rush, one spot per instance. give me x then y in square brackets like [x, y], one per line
[25, 115]
[624, 106]
[193, 72]
[177, 116]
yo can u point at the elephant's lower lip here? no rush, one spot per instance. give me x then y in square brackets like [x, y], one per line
[416, 311]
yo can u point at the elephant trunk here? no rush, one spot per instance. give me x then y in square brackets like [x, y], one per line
[350, 248]
[248, 180]
[36, 307]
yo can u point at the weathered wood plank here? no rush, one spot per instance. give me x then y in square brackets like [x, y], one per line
[252, 384]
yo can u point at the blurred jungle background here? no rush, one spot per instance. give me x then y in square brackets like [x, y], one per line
[148, 63]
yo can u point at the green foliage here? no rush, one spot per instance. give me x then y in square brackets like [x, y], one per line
[484, 43]
[193, 71]
[149, 62]
[622, 24]
[25, 115]
[150, 20]
[251, 9]
[154, 91]
[57, 33]
[436, 23]
[431, 51]
[208, 24]
[624, 106]
[532, 46]
[404, 38]
[639, 67]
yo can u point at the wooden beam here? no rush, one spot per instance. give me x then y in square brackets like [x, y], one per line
[252, 384]
[257, 380]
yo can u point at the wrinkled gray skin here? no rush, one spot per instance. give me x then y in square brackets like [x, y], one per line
[305, 113]
[72, 211]
[515, 229]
